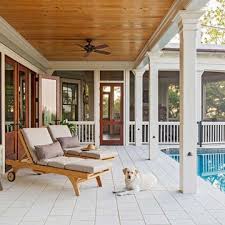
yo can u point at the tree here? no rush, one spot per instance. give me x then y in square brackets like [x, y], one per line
[213, 23]
[215, 104]
[174, 101]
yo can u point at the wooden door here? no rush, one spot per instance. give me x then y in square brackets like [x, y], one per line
[111, 114]
[11, 108]
[16, 106]
[23, 103]
[49, 100]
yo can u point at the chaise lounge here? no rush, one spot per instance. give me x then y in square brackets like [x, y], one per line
[62, 132]
[42, 155]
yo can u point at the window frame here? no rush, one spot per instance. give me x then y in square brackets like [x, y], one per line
[79, 97]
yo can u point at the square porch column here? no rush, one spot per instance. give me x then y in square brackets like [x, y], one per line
[153, 108]
[138, 74]
[2, 148]
[97, 106]
[188, 25]
[127, 106]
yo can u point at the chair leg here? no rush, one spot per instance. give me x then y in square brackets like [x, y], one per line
[1, 188]
[99, 182]
[75, 184]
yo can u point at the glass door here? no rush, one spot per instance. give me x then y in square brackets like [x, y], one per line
[111, 114]
[49, 98]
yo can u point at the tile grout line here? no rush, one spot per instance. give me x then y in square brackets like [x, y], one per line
[171, 197]
[18, 198]
[54, 203]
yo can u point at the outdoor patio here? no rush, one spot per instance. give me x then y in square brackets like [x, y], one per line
[49, 199]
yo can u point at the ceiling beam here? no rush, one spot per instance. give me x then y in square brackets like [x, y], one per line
[167, 29]
[17, 43]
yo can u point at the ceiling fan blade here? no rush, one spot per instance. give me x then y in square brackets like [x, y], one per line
[80, 46]
[101, 46]
[86, 54]
[102, 52]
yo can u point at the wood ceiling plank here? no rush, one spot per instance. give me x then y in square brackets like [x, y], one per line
[54, 27]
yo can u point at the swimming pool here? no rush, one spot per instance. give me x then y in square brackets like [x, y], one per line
[211, 165]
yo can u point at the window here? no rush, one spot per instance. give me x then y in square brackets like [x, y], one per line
[145, 96]
[169, 96]
[213, 96]
[85, 94]
[132, 98]
[70, 101]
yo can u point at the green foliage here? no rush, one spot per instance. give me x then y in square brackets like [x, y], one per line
[215, 100]
[213, 18]
[71, 126]
[174, 101]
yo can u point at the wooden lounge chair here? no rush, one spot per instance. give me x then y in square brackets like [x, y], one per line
[58, 131]
[77, 170]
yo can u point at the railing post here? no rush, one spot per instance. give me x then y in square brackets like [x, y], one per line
[200, 133]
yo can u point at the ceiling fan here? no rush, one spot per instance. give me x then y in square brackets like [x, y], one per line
[89, 48]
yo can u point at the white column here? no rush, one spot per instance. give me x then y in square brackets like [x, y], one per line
[97, 106]
[2, 167]
[127, 106]
[153, 109]
[199, 74]
[138, 74]
[188, 101]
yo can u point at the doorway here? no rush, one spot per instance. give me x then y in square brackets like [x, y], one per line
[111, 114]
[16, 106]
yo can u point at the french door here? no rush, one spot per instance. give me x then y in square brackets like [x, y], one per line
[16, 106]
[111, 114]
[31, 100]
[49, 100]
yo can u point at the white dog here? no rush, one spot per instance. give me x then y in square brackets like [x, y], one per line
[135, 182]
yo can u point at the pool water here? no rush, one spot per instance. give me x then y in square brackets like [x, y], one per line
[211, 165]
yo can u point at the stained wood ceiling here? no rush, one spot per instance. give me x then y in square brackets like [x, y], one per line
[54, 27]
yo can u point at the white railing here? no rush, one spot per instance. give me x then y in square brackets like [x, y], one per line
[145, 132]
[85, 131]
[213, 132]
[132, 132]
[169, 132]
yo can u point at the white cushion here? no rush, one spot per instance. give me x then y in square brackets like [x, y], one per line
[73, 151]
[59, 162]
[89, 166]
[99, 154]
[57, 131]
[77, 164]
[36, 136]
